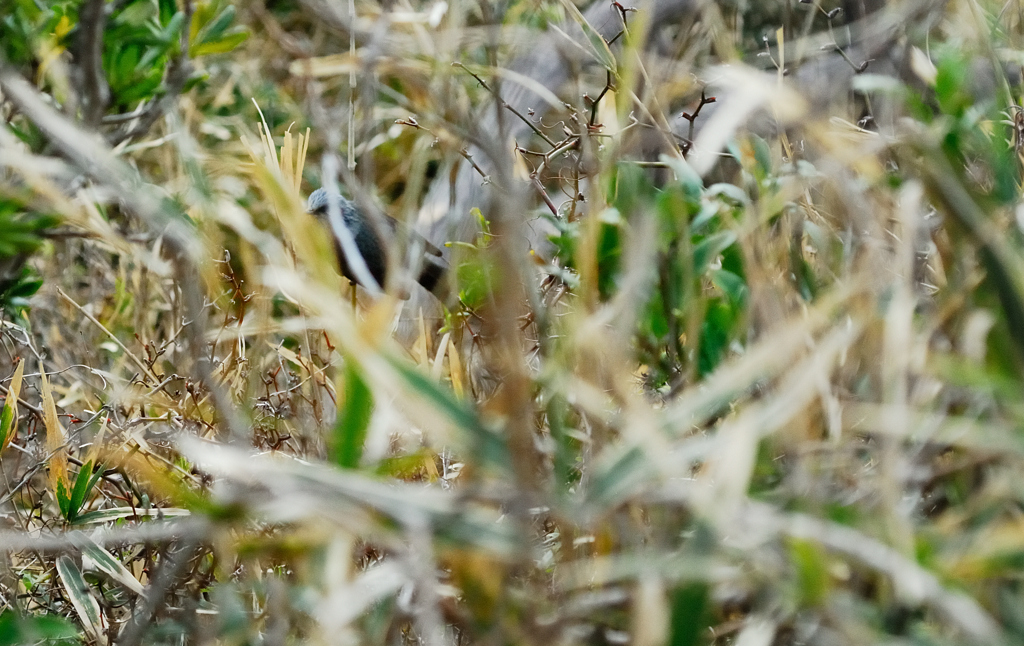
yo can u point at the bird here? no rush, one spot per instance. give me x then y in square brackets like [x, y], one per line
[374, 249]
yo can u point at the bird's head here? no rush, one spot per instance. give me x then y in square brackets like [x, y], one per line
[319, 203]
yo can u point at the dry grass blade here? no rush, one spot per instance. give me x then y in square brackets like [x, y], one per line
[55, 442]
[9, 415]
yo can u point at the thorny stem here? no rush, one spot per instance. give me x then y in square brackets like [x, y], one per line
[569, 143]
[623, 10]
[768, 52]
[595, 102]
[557, 151]
[704, 100]
[857, 67]
[543, 194]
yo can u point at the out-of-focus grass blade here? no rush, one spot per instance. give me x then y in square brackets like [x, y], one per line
[1002, 262]
[674, 568]
[812, 574]
[620, 476]
[353, 419]
[455, 369]
[9, 415]
[81, 598]
[598, 45]
[100, 559]
[489, 446]
[41, 629]
[55, 446]
[117, 513]
[708, 249]
[284, 489]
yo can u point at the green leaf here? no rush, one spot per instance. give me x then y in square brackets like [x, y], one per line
[7, 423]
[475, 278]
[762, 154]
[730, 192]
[633, 189]
[716, 333]
[490, 447]
[63, 498]
[951, 84]
[117, 513]
[172, 32]
[687, 177]
[705, 252]
[221, 45]
[811, 565]
[103, 561]
[353, 419]
[689, 614]
[137, 14]
[46, 629]
[81, 597]
[168, 10]
[218, 25]
[9, 416]
[609, 251]
[83, 484]
[733, 286]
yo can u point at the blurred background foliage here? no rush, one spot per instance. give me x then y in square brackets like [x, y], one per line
[733, 351]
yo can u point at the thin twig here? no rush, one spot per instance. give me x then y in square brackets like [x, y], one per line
[543, 194]
[595, 102]
[623, 10]
[506, 105]
[704, 100]
[857, 67]
[92, 319]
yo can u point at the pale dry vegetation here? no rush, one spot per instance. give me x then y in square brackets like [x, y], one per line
[734, 353]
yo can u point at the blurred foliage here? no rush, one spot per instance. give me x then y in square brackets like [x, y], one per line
[21, 234]
[733, 352]
[36, 630]
[697, 306]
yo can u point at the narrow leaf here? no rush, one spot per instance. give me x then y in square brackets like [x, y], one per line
[95, 557]
[55, 446]
[117, 513]
[598, 45]
[353, 419]
[81, 598]
[83, 483]
[9, 415]
[491, 446]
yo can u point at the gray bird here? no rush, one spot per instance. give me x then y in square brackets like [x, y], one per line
[432, 268]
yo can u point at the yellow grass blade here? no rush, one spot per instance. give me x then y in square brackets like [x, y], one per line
[455, 368]
[54, 440]
[9, 416]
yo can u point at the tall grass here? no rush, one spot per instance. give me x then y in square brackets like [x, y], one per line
[733, 352]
